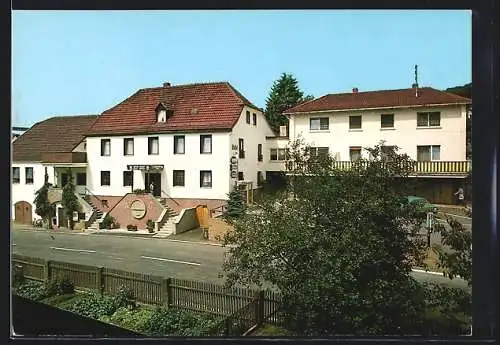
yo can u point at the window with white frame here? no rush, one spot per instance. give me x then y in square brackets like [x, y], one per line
[354, 153]
[277, 154]
[153, 146]
[16, 175]
[355, 122]
[178, 178]
[28, 175]
[206, 143]
[128, 178]
[179, 144]
[428, 153]
[387, 121]
[105, 147]
[319, 123]
[429, 119]
[206, 178]
[319, 151]
[128, 146]
[105, 178]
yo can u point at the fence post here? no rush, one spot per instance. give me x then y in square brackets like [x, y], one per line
[98, 280]
[46, 271]
[166, 291]
[259, 307]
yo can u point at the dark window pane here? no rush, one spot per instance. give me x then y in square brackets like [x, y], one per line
[128, 178]
[81, 179]
[178, 178]
[355, 122]
[387, 120]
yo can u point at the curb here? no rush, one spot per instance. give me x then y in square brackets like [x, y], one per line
[427, 272]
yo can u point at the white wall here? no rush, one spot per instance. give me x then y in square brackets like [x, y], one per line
[191, 162]
[450, 135]
[252, 136]
[26, 192]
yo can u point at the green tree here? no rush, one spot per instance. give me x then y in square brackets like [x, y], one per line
[43, 207]
[458, 261]
[69, 200]
[235, 204]
[285, 94]
[339, 245]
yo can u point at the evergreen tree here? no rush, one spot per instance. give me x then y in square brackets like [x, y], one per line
[43, 207]
[69, 200]
[235, 204]
[285, 94]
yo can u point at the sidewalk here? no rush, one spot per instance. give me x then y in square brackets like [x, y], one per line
[453, 209]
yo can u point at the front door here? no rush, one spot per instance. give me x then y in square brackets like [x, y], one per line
[155, 179]
[23, 213]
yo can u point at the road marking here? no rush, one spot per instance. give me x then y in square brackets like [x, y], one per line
[169, 260]
[74, 250]
[428, 272]
[114, 257]
[454, 215]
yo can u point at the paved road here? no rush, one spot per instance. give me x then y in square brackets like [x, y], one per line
[159, 257]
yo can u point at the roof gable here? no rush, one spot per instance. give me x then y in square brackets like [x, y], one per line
[56, 134]
[200, 107]
[379, 99]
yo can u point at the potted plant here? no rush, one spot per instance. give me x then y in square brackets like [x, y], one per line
[151, 226]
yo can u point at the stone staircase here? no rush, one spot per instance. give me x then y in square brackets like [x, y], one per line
[99, 215]
[168, 227]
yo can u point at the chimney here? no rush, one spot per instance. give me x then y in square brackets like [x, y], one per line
[355, 90]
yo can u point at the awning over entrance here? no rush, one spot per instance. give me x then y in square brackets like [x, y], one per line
[143, 167]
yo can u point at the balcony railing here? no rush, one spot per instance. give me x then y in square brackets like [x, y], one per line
[432, 168]
[64, 157]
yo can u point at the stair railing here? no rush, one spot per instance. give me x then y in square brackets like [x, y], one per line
[169, 197]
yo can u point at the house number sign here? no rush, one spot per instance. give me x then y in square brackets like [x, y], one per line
[138, 209]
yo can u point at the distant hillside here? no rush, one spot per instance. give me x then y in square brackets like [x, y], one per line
[464, 90]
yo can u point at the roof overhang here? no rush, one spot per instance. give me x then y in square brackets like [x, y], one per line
[377, 108]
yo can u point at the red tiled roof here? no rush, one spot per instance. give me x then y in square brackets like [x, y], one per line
[379, 99]
[217, 107]
[56, 134]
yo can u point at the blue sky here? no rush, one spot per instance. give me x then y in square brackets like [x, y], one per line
[83, 62]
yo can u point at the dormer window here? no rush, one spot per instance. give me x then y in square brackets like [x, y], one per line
[163, 112]
[162, 115]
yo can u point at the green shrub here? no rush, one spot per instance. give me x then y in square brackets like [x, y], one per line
[59, 286]
[59, 300]
[151, 226]
[179, 323]
[139, 191]
[107, 222]
[127, 318]
[32, 290]
[124, 297]
[93, 305]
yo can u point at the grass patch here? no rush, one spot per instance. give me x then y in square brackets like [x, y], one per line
[268, 330]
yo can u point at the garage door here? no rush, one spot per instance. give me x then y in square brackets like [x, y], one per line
[23, 212]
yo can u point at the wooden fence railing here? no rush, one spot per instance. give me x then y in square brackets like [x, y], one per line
[245, 307]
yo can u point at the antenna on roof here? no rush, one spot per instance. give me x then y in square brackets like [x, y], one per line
[416, 81]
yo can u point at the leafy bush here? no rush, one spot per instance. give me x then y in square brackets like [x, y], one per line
[59, 286]
[179, 323]
[132, 227]
[124, 297]
[32, 290]
[59, 301]
[151, 226]
[93, 305]
[107, 222]
[127, 318]
[139, 191]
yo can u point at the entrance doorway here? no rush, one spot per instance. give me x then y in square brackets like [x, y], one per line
[155, 178]
[23, 213]
[64, 179]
